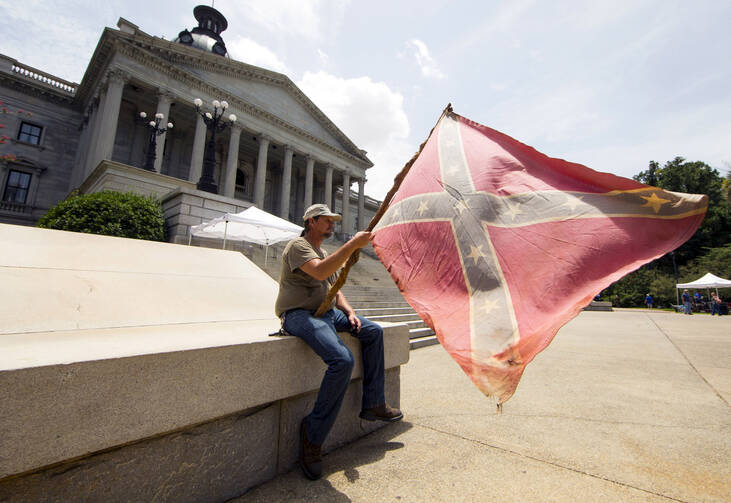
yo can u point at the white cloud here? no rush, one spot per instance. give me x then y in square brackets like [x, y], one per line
[248, 51]
[371, 115]
[50, 39]
[566, 113]
[501, 23]
[426, 62]
[311, 19]
[324, 58]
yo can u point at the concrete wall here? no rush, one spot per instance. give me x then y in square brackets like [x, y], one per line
[186, 207]
[149, 374]
[110, 175]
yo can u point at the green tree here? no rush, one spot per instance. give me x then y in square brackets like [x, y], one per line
[649, 177]
[726, 185]
[716, 261]
[110, 213]
[663, 289]
[632, 289]
[694, 177]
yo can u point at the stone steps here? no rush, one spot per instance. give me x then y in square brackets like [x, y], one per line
[387, 305]
[393, 318]
[370, 310]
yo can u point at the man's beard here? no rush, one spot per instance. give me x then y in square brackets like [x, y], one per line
[327, 235]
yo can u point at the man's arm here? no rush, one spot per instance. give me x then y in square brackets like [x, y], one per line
[323, 269]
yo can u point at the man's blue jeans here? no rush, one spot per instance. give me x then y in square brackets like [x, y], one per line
[321, 335]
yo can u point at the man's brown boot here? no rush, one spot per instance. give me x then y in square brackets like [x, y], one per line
[310, 457]
[382, 413]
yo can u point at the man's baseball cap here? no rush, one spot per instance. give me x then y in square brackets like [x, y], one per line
[320, 210]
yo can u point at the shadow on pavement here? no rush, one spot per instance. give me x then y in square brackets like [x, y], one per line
[294, 487]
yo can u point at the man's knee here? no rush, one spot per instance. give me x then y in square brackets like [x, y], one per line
[343, 362]
[370, 331]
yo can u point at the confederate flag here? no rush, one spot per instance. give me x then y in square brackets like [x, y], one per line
[497, 246]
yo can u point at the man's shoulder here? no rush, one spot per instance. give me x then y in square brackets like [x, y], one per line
[299, 248]
[298, 242]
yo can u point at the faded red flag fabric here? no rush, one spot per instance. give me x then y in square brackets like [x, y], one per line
[497, 246]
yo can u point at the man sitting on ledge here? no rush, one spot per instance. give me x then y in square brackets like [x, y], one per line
[306, 275]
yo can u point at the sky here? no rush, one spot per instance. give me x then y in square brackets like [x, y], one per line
[611, 85]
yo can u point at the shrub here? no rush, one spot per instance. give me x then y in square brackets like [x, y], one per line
[110, 213]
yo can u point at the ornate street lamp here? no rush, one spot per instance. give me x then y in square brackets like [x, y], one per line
[214, 123]
[155, 131]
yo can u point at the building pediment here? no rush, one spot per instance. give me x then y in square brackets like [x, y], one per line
[261, 92]
[274, 98]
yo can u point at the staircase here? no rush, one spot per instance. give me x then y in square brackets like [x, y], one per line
[380, 304]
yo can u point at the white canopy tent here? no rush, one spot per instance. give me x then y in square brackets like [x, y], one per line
[253, 225]
[707, 281]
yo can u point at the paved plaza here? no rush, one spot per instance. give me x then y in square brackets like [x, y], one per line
[627, 405]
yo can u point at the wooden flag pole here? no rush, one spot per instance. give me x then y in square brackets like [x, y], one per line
[340, 281]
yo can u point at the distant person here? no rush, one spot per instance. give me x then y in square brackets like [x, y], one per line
[686, 302]
[616, 300]
[716, 304]
[306, 276]
[648, 301]
[697, 298]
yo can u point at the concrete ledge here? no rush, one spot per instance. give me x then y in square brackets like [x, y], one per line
[111, 175]
[141, 371]
[598, 305]
[53, 413]
[214, 461]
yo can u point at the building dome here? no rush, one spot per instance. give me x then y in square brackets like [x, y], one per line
[207, 36]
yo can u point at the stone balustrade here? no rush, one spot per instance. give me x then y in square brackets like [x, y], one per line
[45, 78]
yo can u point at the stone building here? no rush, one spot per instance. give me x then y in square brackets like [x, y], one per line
[281, 154]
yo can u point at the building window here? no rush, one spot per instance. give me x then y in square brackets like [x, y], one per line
[30, 133]
[16, 190]
[241, 180]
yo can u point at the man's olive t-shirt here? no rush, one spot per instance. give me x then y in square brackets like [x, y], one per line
[297, 289]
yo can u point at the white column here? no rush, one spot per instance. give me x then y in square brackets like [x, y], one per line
[137, 155]
[109, 117]
[261, 172]
[232, 161]
[78, 169]
[173, 167]
[309, 173]
[163, 107]
[286, 183]
[199, 146]
[90, 155]
[346, 203]
[361, 205]
[329, 186]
